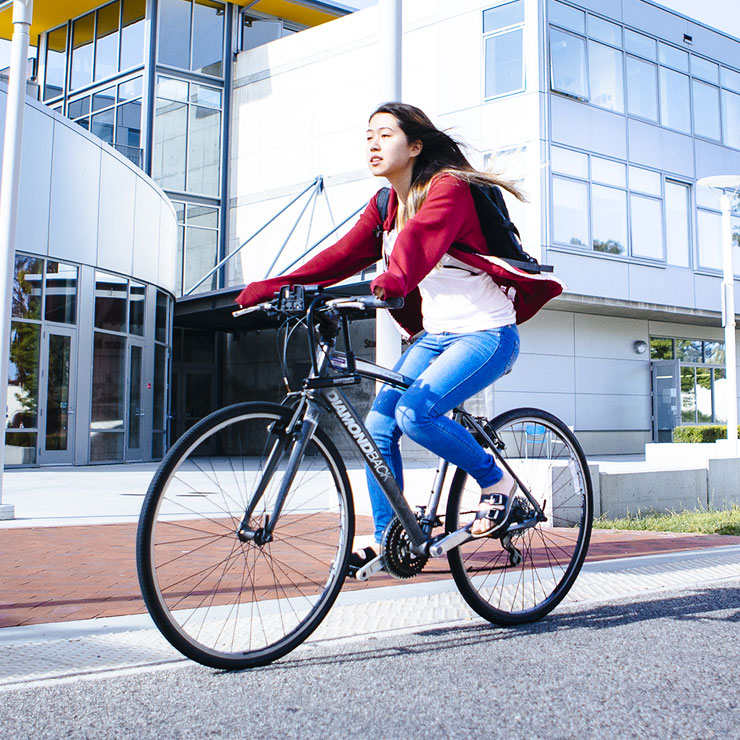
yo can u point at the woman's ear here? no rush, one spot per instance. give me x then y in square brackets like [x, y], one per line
[416, 147]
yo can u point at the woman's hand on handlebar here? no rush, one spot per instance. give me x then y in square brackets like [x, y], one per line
[379, 293]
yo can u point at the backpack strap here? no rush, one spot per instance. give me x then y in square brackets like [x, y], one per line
[381, 203]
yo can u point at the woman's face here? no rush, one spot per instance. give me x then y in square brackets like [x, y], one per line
[389, 152]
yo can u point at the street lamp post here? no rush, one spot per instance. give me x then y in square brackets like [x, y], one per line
[9, 187]
[390, 32]
[721, 184]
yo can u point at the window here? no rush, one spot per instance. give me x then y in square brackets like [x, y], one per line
[191, 35]
[675, 104]
[133, 35]
[677, 223]
[609, 219]
[504, 55]
[259, 31]
[673, 57]
[640, 45]
[605, 74]
[83, 34]
[706, 110]
[567, 17]
[55, 70]
[106, 41]
[704, 69]
[731, 118]
[187, 137]
[568, 64]
[570, 212]
[642, 89]
[709, 232]
[197, 246]
[601, 30]
[646, 223]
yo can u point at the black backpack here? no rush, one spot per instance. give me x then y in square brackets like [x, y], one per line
[502, 237]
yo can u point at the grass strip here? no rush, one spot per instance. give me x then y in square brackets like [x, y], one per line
[726, 521]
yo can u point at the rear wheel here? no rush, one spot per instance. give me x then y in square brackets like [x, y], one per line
[223, 601]
[525, 574]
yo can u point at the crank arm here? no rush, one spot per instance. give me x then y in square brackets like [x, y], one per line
[450, 541]
[369, 569]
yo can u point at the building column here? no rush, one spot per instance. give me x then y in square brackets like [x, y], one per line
[9, 187]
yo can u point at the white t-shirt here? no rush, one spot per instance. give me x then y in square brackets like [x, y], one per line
[457, 298]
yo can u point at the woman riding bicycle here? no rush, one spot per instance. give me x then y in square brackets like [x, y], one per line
[463, 306]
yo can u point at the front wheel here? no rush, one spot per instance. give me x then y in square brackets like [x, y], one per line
[223, 600]
[525, 574]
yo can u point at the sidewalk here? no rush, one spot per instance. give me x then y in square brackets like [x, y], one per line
[86, 569]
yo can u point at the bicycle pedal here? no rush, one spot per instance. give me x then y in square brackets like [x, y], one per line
[369, 569]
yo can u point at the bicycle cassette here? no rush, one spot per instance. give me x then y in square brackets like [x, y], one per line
[398, 554]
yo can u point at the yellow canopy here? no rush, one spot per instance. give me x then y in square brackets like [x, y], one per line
[48, 14]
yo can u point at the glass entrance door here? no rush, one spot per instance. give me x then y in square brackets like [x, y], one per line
[57, 407]
[665, 399]
[136, 415]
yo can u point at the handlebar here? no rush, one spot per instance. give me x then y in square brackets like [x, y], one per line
[356, 302]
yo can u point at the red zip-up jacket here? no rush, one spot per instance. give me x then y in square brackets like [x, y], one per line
[447, 217]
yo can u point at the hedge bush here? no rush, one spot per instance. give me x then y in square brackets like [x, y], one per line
[707, 433]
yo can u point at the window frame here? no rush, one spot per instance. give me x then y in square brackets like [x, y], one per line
[518, 27]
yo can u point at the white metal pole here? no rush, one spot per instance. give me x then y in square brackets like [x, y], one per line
[9, 187]
[728, 292]
[387, 338]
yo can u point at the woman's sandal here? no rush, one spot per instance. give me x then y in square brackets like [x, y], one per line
[360, 558]
[494, 510]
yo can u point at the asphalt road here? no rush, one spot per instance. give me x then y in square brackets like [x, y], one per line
[663, 666]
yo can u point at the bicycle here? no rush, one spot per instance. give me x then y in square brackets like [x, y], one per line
[241, 552]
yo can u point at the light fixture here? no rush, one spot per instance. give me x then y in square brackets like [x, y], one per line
[640, 346]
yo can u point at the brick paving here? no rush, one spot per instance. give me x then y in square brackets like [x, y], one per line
[55, 574]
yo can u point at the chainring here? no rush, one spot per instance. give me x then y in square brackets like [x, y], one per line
[398, 555]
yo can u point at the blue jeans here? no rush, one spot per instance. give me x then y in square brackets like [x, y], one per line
[448, 369]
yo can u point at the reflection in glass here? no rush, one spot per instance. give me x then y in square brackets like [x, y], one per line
[27, 287]
[714, 353]
[642, 89]
[689, 350]
[256, 32]
[82, 50]
[570, 212]
[104, 99]
[637, 43]
[209, 97]
[675, 106]
[159, 421]
[688, 395]
[568, 162]
[502, 16]
[61, 293]
[703, 395]
[720, 396]
[110, 302]
[174, 36]
[504, 63]
[204, 151]
[137, 302]
[102, 125]
[704, 69]
[731, 119]
[106, 41]
[161, 323]
[203, 216]
[201, 254]
[132, 33]
[56, 62]
[609, 219]
[20, 448]
[135, 410]
[57, 392]
[646, 181]
[706, 110]
[567, 17]
[170, 140]
[730, 79]
[23, 376]
[673, 57]
[208, 40]
[129, 90]
[79, 107]
[128, 124]
[709, 234]
[677, 223]
[108, 386]
[605, 74]
[608, 172]
[568, 63]
[603, 30]
[646, 219]
[661, 348]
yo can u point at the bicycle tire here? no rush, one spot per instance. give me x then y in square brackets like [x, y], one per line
[221, 601]
[549, 461]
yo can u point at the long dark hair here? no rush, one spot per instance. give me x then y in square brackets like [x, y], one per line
[440, 154]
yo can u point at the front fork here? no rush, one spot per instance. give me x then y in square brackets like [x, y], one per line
[298, 432]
